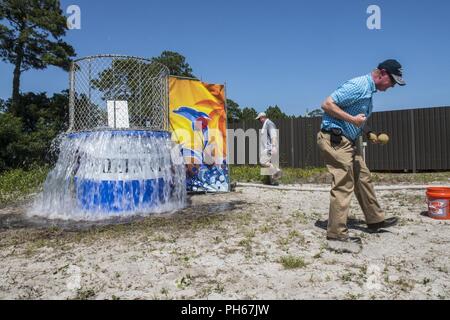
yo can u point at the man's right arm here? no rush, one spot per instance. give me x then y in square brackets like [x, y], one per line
[332, 109]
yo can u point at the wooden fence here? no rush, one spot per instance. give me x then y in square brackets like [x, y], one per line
[419, 141]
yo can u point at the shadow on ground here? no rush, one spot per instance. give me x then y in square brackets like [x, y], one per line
[355, 224]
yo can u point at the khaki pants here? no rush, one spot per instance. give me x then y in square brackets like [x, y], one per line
[350, 173]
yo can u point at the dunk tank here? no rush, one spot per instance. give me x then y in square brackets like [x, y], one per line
[118, 156]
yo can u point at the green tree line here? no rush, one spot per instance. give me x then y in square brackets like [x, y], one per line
[26, 136]
[31, 33]
[236, 114]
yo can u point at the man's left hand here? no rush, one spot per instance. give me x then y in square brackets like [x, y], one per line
[373, 137]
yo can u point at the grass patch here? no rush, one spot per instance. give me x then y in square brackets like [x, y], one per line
[290, 175]
[266, 228]
[413, 178]
[18, 183]
[404, 284]
[293, 235]
[85, 294]
[348, 276]
[252, 173]
[352, 296]
[245, 243]
[299, 217]
[308, 175]
[250, 234]
[245, 173]
[291, 262]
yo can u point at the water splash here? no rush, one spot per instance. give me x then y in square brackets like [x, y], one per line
[104, 174]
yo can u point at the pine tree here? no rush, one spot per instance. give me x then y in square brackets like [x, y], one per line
[30, 38]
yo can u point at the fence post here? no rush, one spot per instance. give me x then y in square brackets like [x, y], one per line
[413, 140]
[246, 154]
[292, 144]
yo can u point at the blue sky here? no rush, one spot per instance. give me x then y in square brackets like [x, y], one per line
[289, 53]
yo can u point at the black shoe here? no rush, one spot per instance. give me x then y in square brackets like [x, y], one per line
[274, 183]
[389, 222]
[356, 240]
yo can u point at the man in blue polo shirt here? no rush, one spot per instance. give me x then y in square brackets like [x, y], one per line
[346, 111]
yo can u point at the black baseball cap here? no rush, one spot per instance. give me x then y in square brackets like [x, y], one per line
[394, 68]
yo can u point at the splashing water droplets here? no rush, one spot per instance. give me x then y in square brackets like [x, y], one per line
[103, 174]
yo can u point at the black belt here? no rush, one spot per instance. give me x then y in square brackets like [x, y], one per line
[336, 136]
[331, 131]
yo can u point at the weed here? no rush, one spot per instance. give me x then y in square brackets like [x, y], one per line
[160, 238]
[245, 218]
[288, 222]
[283, 241]
[266, 228]
[291, 262]
[16, 184]
[348, 276]
[250, 234]
[84, 294]
[352, 296]
[217, 239]
[245, 243]
[219, 288]
[293, 234]
[363, 269]
[184, 282]
[404, 284]
[300, 217]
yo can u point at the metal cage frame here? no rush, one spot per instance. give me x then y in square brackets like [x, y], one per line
[118, 92]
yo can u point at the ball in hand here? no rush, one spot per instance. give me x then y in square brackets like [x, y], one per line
[383, 138]
[372, 137]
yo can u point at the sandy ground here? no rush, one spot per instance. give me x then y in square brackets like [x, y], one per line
[248, 244]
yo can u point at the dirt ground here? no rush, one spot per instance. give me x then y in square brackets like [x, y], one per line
[249, 244]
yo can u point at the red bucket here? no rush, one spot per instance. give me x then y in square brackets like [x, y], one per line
[438, 200]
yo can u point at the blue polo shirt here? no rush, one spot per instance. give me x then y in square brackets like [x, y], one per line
[354, 97]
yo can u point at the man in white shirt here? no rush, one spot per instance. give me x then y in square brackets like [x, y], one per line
[268, 149]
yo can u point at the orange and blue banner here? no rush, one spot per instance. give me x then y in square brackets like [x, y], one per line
[198, 123]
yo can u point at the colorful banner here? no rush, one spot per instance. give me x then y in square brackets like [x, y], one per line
[198, 123]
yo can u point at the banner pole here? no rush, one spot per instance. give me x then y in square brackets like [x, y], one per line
[226, 133]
